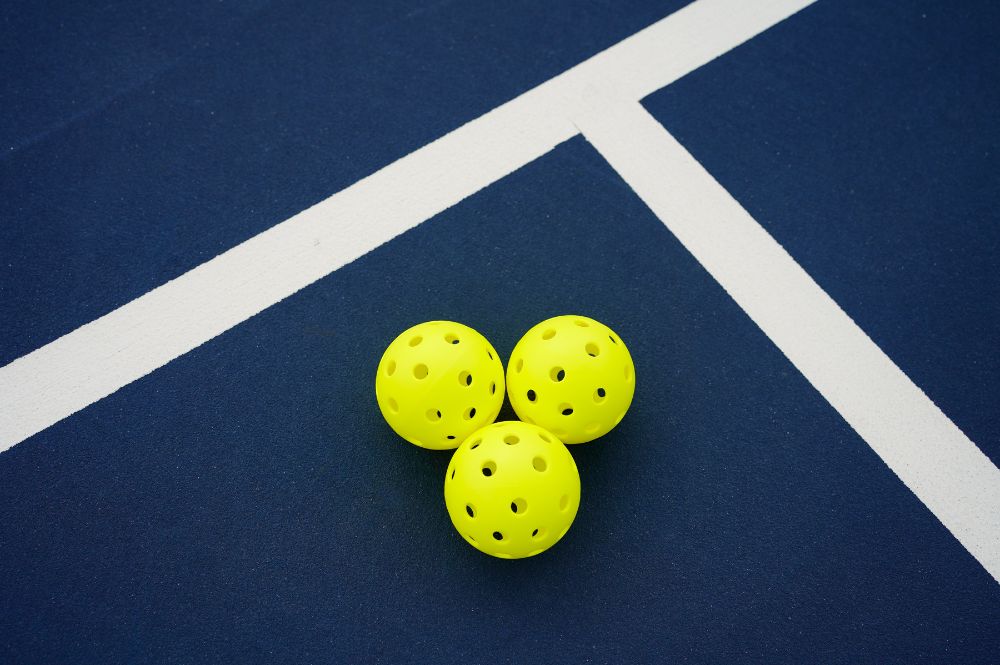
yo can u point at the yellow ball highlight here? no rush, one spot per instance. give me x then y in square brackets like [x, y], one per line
[512, 490]
[439, 382]
[573, 376]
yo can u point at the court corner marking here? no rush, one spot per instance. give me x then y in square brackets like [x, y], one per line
[100, 357]
[917, 441]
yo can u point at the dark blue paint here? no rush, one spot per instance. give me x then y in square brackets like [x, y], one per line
[63, 61]
[247, 503]
[865, 139]
[175, 157]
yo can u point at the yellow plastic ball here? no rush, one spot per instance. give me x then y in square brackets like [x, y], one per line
[439, 382]
[512, 490]
[573, 376]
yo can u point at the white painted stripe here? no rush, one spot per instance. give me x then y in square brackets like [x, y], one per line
[97, 359]
[946, 471]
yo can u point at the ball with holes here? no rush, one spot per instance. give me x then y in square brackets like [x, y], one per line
[512, 490]
[573, 376]
[439, 382]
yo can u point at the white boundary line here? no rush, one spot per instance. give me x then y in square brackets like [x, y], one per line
[946, 470]
[83, 366]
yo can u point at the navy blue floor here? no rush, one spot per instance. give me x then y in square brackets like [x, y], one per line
[246, 502]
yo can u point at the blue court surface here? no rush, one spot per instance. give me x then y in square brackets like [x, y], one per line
[789, 211]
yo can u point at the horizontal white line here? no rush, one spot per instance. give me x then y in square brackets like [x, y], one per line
[97, 359]
[942, 467]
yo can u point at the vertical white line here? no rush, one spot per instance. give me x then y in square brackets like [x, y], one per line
[942, 467]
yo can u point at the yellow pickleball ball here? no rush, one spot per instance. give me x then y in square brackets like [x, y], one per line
[512, 490]
[438, 382]
[573, 376]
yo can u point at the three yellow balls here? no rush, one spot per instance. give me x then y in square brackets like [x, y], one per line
[512, 489]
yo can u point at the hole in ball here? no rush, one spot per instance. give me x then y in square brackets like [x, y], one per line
[566, 409]
[549, 334]
[465, 379]
[557, 374]
[599, 395]
[416, 340]
[593, 350]
[518, 506]
[564, 502]
[470, 414]
[539, 464]
[433, 415]
[497, 535]
[470, 510]
[531, 396]
[510, 440]
[489, 468]
[475, 444]
[421, 371]
[390, 367]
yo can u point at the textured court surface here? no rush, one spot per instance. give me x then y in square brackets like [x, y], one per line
[245, 502]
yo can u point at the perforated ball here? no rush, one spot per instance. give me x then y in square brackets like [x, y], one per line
[573, 376]
[512, 490]
[439, 382]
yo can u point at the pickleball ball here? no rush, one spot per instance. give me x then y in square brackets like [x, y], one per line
[439, 382]
[573, 376]
[512, 490]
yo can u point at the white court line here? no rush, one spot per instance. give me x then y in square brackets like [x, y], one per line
[902, 425]
[83, 366]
